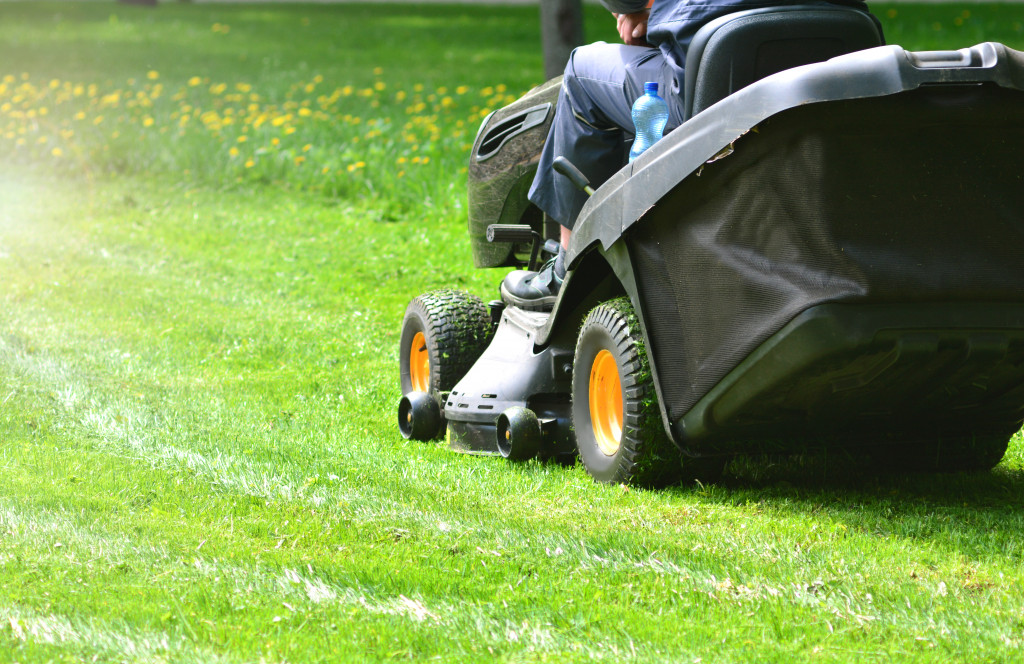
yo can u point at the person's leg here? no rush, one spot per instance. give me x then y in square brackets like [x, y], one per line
[592, 119]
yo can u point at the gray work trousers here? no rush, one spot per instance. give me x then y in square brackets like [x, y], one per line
[593, 124]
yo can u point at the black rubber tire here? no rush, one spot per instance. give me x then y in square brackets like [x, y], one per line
[419, 416]
[519, 434]
[645, 455]
[456, 327]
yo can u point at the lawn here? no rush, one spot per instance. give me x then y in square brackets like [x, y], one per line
[212, 218]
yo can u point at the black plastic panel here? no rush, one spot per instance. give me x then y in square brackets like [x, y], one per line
[908, 200]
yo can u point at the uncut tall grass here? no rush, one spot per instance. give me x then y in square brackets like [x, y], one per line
[359, 117]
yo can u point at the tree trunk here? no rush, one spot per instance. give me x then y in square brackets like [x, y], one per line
[561, 30]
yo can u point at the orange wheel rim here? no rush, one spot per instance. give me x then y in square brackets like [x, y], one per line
[419, 364]
[606, 402]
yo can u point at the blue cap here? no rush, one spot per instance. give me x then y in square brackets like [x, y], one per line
[651, 86]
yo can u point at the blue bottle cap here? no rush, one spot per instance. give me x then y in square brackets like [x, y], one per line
[651, 87]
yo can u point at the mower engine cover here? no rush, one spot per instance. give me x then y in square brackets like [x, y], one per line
[501, 169]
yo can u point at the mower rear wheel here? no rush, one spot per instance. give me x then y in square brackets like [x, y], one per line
[443, 333]
[619, 432]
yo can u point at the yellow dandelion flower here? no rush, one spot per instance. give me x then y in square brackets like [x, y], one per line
[233, 152]
[288, 131]
[152, 74]
[250, 163]
[305, 112]
[377, 71]
[299, 160]
[244, 88]
[195, 81]
[243, 139]
[307, 147]
[275, 141]
[462, 89]
[56, 152]
[401, 174]
[148, 121]
[97, 120]
[379, 86]
[325, 170]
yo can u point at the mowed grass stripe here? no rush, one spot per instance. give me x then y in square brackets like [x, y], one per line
[54, 636]
[736, 585]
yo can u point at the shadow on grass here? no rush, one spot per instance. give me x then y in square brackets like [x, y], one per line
[975, 514]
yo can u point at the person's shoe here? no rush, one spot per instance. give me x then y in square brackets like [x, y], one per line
[534, 291]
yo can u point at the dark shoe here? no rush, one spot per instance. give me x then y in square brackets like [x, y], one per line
[534, 291]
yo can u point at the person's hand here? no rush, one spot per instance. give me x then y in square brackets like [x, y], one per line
[633, 27]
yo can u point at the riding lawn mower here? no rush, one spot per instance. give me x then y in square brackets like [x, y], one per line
[827, 253]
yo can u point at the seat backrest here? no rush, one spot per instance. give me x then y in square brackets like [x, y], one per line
[736, 50]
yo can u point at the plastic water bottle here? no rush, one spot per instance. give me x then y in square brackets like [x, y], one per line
[650, 113]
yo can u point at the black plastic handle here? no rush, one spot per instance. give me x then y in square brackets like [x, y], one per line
[566, 168]
[520, 233]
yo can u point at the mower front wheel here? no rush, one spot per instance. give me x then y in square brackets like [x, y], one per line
[615, 413]
[443, 333]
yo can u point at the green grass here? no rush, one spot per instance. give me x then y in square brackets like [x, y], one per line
[198, 379]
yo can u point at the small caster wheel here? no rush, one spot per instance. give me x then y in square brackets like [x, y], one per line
[419, 417]
[519, 434]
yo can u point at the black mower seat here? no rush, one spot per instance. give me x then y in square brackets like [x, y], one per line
[736, 50]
